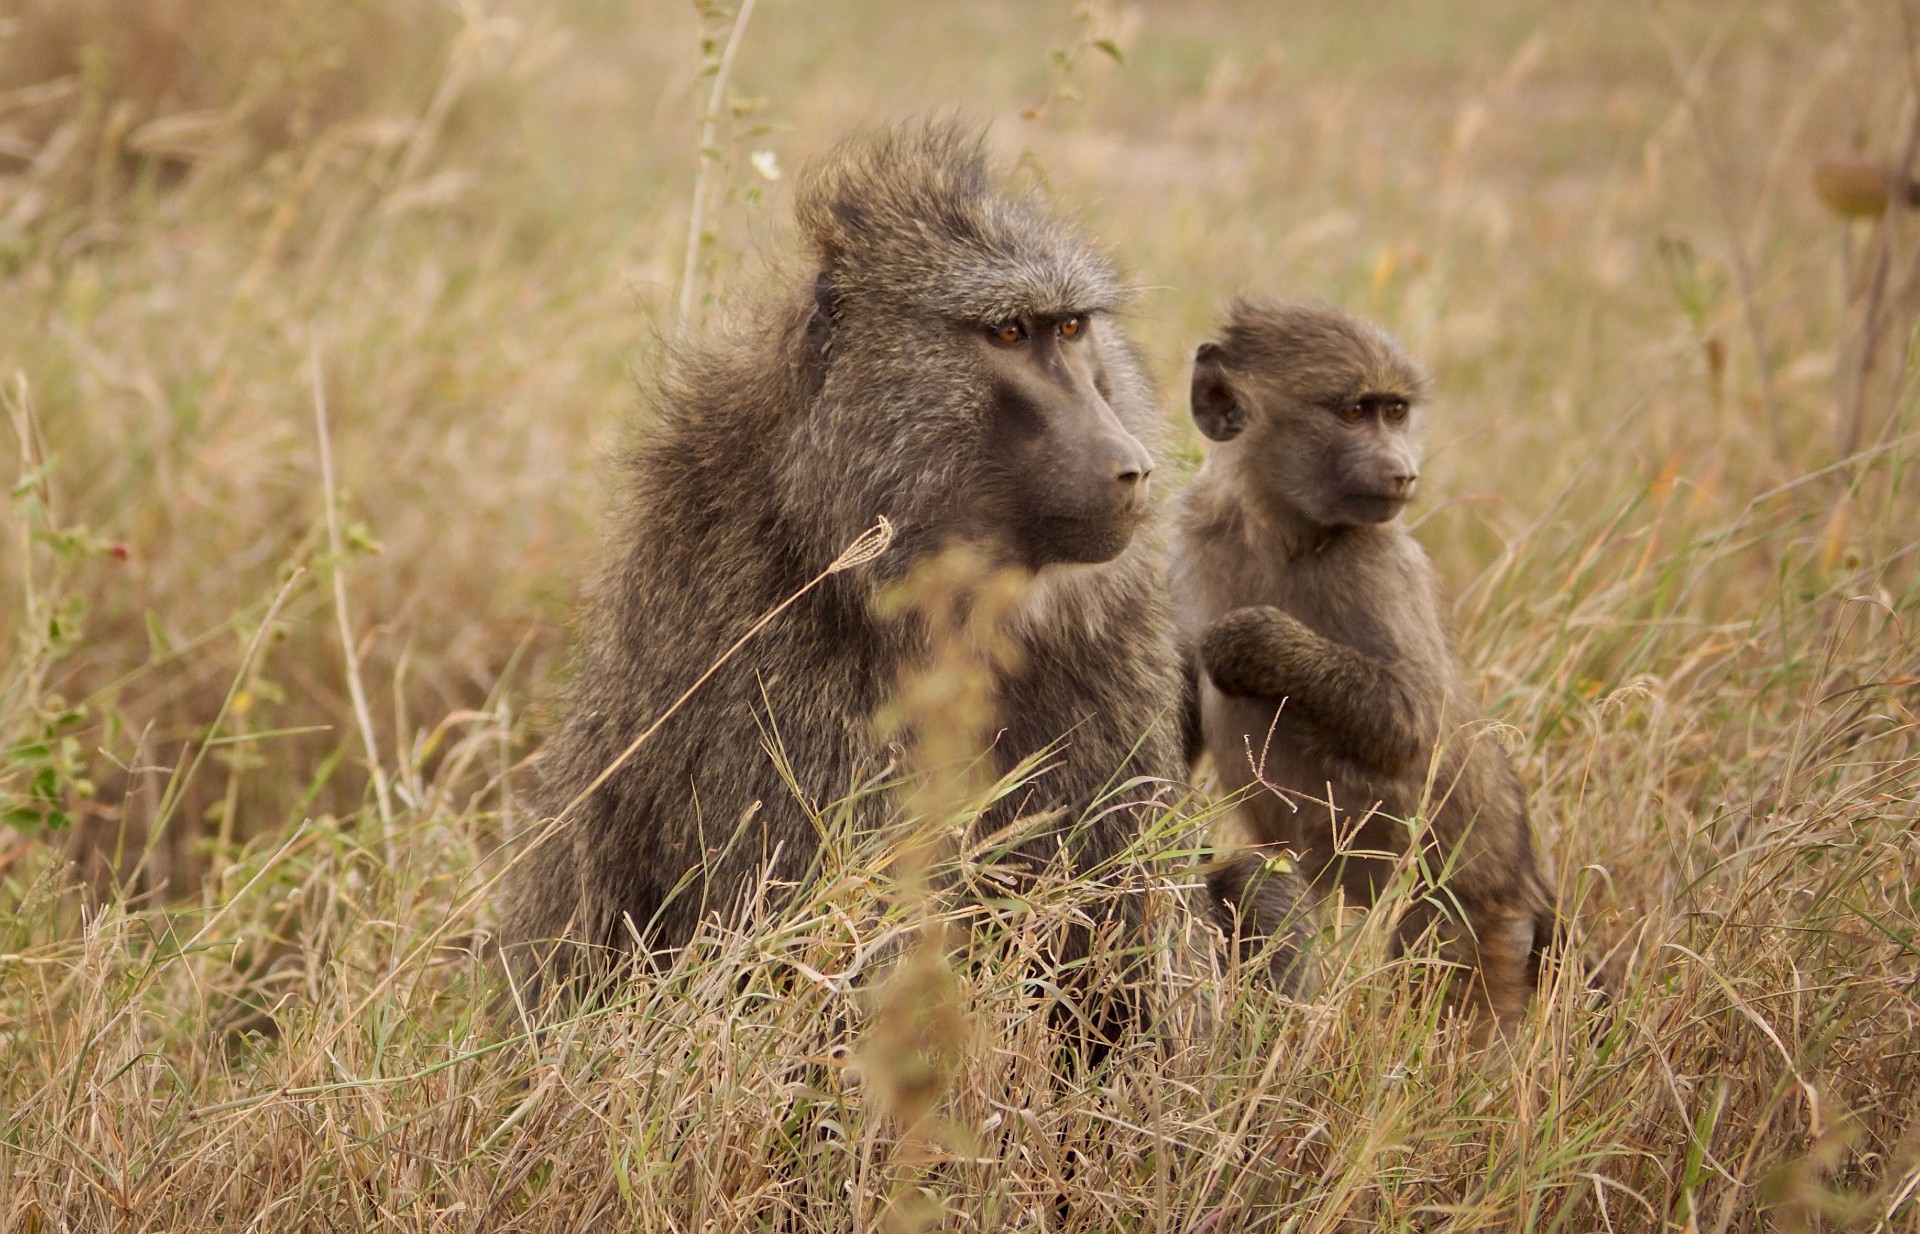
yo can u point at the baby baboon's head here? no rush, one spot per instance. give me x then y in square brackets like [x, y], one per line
[1320, 409]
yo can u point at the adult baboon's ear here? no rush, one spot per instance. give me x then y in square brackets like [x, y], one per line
[821, 317]
[1216, 408]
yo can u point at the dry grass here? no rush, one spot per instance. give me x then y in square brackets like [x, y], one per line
[1698, 615]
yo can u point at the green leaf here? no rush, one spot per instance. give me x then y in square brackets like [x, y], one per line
[1111, 48]
[159, 646]
[360, 539]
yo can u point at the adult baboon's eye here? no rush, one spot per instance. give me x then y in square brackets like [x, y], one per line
[1395, 410]
[1008, 332]
[1353, 412]
[1070, 328]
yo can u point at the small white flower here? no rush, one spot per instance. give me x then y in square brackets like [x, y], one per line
[765, 163]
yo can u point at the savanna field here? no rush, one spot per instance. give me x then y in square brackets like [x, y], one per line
[321, 323]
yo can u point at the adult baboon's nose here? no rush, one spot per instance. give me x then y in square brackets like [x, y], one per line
[1403, 484]
[1129, 462]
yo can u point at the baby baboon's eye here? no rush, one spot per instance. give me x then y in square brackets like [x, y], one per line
[1008, 332]
[1070, 328]
[1395, 411]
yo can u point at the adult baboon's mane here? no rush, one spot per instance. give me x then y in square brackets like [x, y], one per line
[909, 215]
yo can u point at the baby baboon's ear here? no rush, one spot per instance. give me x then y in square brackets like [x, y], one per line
[1216, 408]
[820, 319]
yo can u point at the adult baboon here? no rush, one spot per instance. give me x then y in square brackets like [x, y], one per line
[1332, 690]
[949, 362]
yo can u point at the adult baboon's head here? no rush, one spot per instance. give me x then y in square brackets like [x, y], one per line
[975, 384]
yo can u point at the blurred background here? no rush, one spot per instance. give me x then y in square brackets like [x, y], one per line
[1658, 345]
[322, 320]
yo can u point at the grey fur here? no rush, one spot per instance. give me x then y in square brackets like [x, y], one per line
[857, 393]
[1329, 666]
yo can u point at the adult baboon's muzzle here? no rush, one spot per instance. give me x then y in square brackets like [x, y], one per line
[1098, 498]
[1102, 467]
[1104, 476]
[1078, 478]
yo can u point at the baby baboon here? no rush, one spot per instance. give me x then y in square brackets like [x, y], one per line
[1331, 687]
[950, 362]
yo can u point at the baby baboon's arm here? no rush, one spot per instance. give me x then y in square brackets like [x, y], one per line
[1361, 703]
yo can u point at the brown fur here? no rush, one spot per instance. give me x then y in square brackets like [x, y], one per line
[1331, 688]
[861, 391]
[1258, 898]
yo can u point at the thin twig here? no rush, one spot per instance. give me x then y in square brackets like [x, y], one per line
[869, 545]
[357, 692]
[1902, 300]
[690, 270]
[33, 478]
[1874, 320]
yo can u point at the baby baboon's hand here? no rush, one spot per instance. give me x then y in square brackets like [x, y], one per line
[1256, 652]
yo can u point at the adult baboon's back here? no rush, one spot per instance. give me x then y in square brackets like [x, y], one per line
[948, 363]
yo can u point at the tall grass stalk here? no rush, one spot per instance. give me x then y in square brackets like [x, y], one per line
[709, 158]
